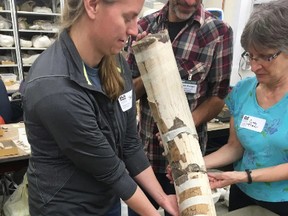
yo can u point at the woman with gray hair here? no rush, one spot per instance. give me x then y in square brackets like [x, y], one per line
[80, 118]
[257, 144]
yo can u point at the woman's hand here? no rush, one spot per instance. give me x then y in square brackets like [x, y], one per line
[170, 205]
[223, 179]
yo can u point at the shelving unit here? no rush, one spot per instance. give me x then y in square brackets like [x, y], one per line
[10, 60]
[152, 5]
[33, 27]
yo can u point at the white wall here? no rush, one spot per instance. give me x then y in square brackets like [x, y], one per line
[209, 4]
[236, 13]
[213, 3]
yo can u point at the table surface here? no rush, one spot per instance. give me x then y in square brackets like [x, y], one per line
[213, 126]
[11, 133]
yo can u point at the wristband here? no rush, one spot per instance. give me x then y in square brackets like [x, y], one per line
[249, 176]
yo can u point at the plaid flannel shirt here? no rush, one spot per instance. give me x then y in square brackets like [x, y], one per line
[203, 51]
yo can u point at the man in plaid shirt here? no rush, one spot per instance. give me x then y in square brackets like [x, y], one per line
[203, 47]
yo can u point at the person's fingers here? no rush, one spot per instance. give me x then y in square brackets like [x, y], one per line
[141, 35]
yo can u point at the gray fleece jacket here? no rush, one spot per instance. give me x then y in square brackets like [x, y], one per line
[81, 141]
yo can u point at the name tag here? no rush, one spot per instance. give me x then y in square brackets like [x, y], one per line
[189, 86]
[253, 123]
[125, 101]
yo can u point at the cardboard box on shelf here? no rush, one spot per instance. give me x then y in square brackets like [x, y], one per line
[7, 148]
[1, 131]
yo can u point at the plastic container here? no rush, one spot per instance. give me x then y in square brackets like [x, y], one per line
[8, 78]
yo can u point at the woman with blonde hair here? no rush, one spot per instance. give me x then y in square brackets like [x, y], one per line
[80, 118]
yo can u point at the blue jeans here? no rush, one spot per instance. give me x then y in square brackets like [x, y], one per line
[115, 210]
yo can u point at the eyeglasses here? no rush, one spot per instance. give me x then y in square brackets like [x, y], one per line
[264, 58]
[247, 58]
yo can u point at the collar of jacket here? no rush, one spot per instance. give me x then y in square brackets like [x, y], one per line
[76, 68]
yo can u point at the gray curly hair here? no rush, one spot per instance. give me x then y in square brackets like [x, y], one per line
[267, 27]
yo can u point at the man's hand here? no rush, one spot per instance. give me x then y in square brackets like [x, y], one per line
[169, 174]
[159, 139]
[140, 36]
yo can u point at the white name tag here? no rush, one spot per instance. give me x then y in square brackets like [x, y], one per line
[189, 86]
[125, 101]
[253, 123]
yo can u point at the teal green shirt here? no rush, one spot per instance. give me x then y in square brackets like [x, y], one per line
[93, 76]
[263, 148]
